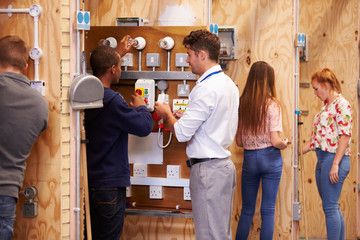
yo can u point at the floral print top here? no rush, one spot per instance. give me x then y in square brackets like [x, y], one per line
[331, 122]
[273, 123]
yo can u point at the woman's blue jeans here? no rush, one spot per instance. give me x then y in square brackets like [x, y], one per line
[263, 165]
[330, 193]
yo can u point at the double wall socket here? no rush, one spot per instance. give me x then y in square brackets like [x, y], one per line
[187, 195]
[173, 171]
[156, 192]
[140, 170]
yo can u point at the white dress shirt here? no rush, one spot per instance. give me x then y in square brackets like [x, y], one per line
[210, 121]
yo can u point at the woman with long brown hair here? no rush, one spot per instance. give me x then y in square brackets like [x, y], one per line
[259, 128]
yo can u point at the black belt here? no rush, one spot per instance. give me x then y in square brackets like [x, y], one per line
[193, 161]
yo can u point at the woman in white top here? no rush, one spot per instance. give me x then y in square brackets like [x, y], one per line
[258, 132]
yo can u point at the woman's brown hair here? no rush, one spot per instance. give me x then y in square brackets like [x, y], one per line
[254, 101]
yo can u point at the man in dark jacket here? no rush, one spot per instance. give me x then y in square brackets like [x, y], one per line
[107, 130]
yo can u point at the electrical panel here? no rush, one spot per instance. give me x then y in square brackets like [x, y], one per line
[228, 41]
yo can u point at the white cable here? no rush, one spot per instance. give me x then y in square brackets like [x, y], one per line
[167, 144]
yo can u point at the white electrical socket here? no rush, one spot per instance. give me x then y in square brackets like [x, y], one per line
[139, 170]
[156, 192]
[127, 60]
[173, 171]
[187, 195]
[128, 191]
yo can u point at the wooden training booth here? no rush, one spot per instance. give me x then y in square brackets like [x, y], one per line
[266, 30]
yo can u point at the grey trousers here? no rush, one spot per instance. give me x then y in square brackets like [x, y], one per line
[212, 185]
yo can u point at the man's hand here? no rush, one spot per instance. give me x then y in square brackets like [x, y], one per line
[177, 114]
[162, 110]
[123, 46]
[136, 101]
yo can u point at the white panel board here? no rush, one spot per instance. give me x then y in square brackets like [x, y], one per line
[145, 149]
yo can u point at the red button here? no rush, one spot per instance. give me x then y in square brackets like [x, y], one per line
[146, 101]
[138, 91]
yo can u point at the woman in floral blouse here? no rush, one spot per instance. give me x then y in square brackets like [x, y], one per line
[259, 128]
[331, 138]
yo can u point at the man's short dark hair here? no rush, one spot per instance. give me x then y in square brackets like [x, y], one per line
[13, 52]
[102, 58]
[203, 40]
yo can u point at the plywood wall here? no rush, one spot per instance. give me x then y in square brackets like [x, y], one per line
[265, 32]
[332, 27]
[44, 165]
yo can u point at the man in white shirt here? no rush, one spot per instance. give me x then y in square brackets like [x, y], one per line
[208, 126]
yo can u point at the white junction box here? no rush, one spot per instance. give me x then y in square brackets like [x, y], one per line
[146, 89]
[156, 192]
[39, 86]
[173, 171]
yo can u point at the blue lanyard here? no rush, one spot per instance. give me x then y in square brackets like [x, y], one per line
[213, 73]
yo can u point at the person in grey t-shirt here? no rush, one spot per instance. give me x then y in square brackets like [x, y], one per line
[23, 116]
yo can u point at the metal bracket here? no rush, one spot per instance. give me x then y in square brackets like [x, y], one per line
[304, 85]
[158, 75]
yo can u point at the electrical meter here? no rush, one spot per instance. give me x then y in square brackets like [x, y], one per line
[146, 89]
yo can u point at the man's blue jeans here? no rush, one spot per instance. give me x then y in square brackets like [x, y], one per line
[107, 210]
[263, 165]
[330, 193]
[7, 217]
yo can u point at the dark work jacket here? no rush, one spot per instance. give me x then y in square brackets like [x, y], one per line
[107, 131]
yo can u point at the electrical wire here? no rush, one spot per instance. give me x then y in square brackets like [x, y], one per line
[159, 140]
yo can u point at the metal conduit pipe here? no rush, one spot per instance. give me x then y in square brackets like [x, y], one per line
[297, 112]
[77, 207]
